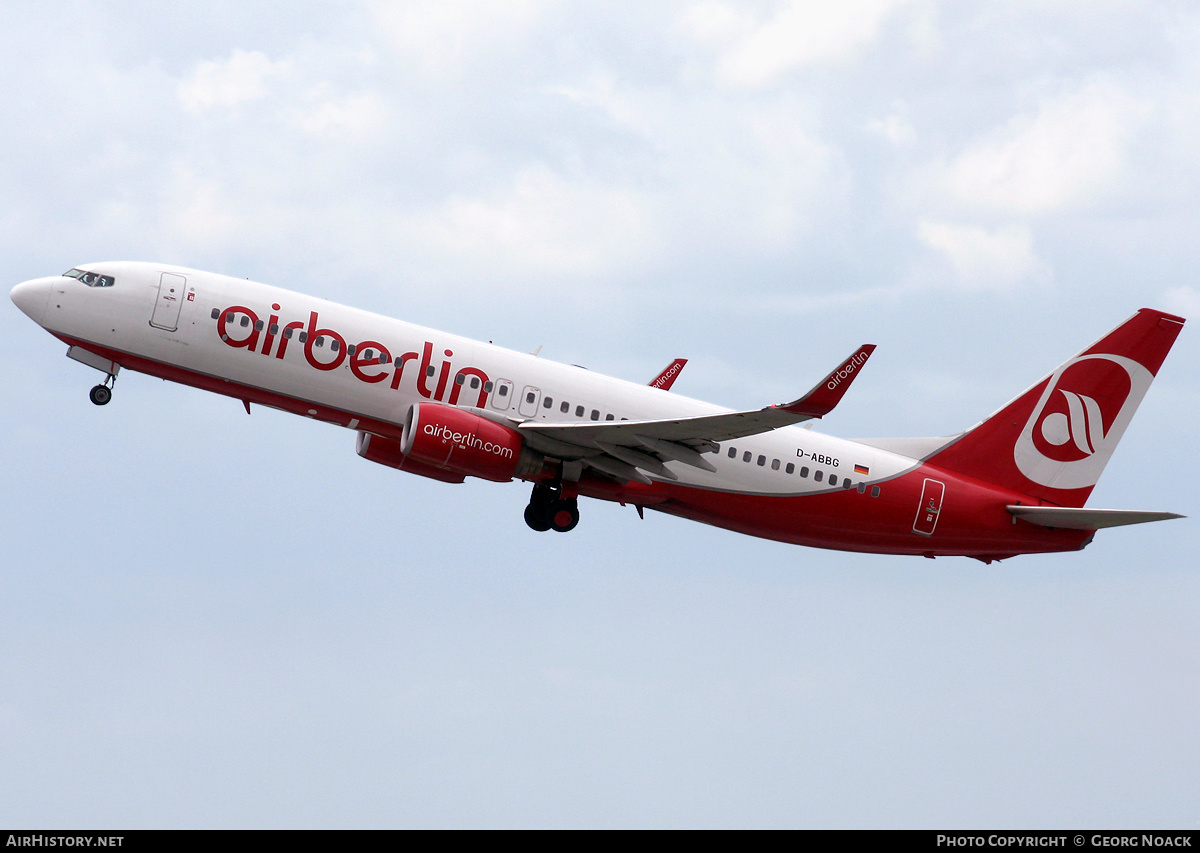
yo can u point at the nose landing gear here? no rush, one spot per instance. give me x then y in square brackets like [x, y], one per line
[550, 509]
[102, 393]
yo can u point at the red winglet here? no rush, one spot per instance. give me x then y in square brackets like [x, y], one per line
[670, 373]
[828, 392]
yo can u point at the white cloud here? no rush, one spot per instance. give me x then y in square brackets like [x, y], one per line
[983, 259]
[1071, 152]
[443, 38]
[895, 129]
[544, 223]
[754, 52]
[240, 79]
[325, 113]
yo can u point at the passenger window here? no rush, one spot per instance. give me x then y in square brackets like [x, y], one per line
[429, 371]
[733, 453]
[460, 379]
[531, 397]
[303, 337]
[216, 312]
[503, 392]
[579, 411]
[832, 480]
[320, 341]
[608, 417]
[547, 402]
[762, 460]
[334, 345]
[595, 415]
[383, 359]
[565, 407]
[351, 349]
[474, 382]
[774, 464]
[874, 491]
[258, 325]
[790, 469]
[746, 456]
[817, 475]
[287, 332]
[274, 330]
[862, 488]
[804, 472]
[487, 386]
[246, 320]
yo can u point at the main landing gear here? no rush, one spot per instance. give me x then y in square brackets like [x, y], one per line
[102, 393]
[550, 509]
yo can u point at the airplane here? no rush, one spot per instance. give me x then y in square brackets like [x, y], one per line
[446, 407]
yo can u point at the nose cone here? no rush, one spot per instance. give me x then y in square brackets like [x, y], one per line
[31, 297]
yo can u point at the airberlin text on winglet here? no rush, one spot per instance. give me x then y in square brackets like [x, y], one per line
[856, 361]
[822, 399]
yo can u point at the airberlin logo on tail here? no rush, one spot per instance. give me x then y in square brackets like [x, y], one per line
[1082, 425]
[1080, 417]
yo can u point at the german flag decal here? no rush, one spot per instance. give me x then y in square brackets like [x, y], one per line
[861, 469]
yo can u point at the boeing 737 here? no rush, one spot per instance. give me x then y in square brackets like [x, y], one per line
[441, 406]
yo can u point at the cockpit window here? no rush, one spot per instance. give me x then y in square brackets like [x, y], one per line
[91, 279]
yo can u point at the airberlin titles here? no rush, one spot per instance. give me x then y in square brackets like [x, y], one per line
[369, 361]
[846, 370]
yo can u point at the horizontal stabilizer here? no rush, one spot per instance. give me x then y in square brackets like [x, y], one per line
[1072, 518]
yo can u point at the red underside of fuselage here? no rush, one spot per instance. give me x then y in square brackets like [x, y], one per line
[972, 520]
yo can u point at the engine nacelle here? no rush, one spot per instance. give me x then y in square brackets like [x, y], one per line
[446, 437]
[387, 452]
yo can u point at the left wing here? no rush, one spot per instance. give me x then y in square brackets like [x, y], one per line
[621, 448]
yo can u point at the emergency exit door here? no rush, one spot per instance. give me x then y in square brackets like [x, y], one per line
[930, 508]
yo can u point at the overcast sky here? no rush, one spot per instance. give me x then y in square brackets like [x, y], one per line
[214, 620]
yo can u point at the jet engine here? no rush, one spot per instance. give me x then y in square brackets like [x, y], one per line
[462, 442]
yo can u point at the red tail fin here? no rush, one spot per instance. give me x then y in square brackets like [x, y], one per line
[1053, 441]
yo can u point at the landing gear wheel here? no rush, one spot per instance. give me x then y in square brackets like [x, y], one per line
[564, 515]
[100, 395]
[536, 519]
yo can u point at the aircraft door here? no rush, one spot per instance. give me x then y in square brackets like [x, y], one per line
[168, 302]
[502, 395]
[529, 401]
[930, 507]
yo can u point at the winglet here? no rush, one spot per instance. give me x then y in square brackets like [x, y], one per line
[828, 392]
[670, 373]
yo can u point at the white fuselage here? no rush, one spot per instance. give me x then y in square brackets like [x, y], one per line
[135, 316]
